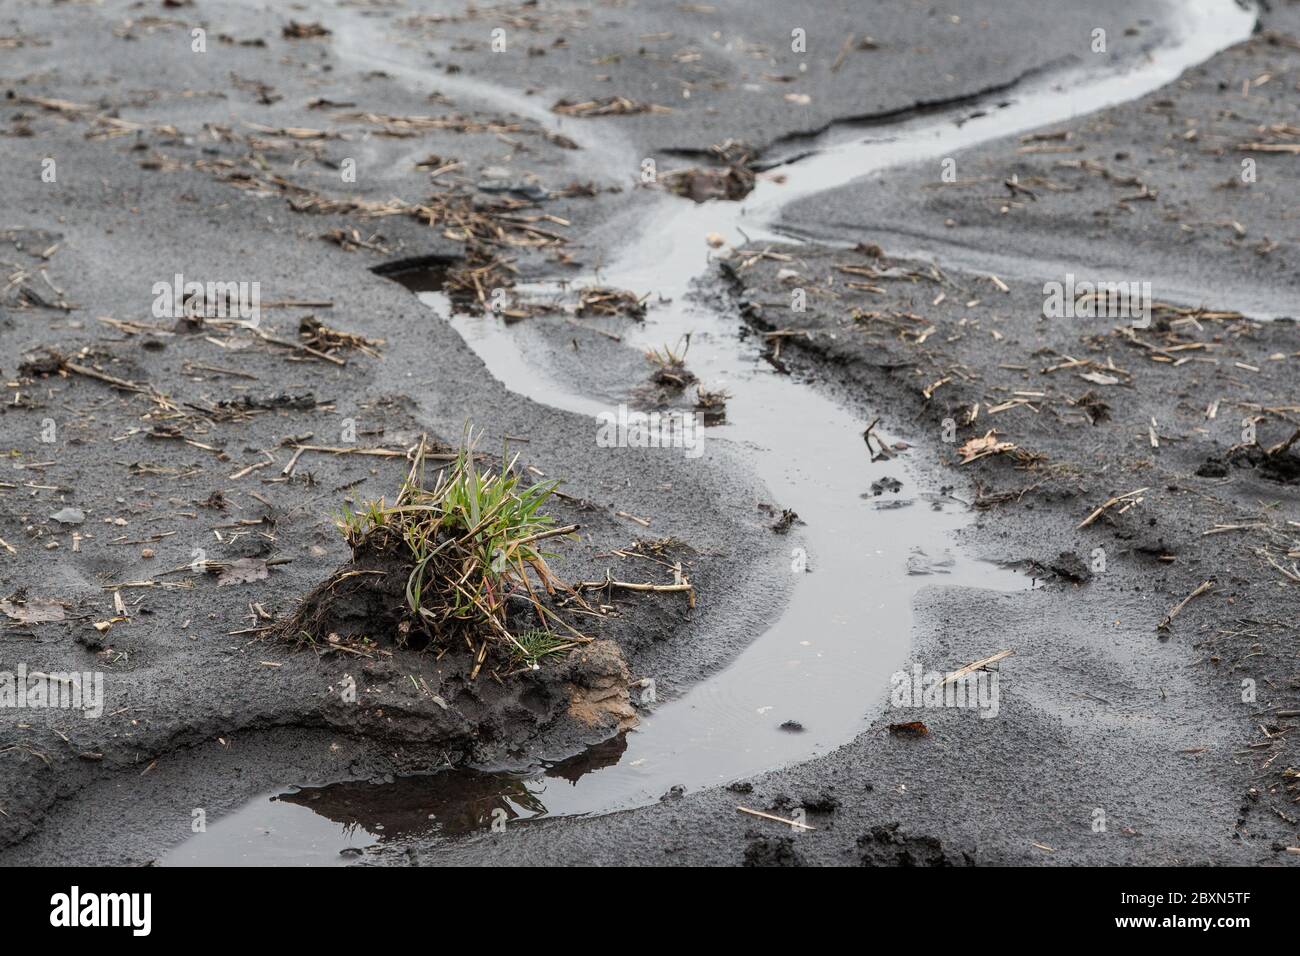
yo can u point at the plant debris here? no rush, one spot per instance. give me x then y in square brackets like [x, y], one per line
[32, 610]
[318, 336]
[912, 728]
[602, 301]
[670, 365]
[986, 444]
[606, 106]
[304, 31]
[733, 179]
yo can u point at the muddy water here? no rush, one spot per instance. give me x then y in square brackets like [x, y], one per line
[826, 662]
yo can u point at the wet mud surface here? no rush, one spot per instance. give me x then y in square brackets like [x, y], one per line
[1185, 184]
[172, 437]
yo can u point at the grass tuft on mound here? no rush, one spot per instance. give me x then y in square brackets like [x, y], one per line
[469, 542]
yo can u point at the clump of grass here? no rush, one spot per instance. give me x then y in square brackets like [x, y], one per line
[670, 364]
[533, 645]
[469, 542]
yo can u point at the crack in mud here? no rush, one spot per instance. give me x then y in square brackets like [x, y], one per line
[917, 110]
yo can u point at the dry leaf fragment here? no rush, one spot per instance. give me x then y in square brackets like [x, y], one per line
[913, 728]
[987, 444]
[243, 571]
[1097, 378]
[33, 610]
[69, 516]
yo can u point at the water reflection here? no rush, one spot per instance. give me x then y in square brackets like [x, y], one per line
[334, 824]
[452, 802]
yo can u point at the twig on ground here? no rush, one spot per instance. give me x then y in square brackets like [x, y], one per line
[1168, 619]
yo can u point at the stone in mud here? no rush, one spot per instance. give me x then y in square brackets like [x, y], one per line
[598, 682]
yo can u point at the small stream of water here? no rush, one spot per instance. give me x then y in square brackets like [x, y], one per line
[826, 661]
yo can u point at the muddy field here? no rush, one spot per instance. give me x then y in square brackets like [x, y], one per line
[819, 245]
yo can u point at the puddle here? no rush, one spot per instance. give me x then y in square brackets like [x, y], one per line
[335, 824]
[825, 664]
